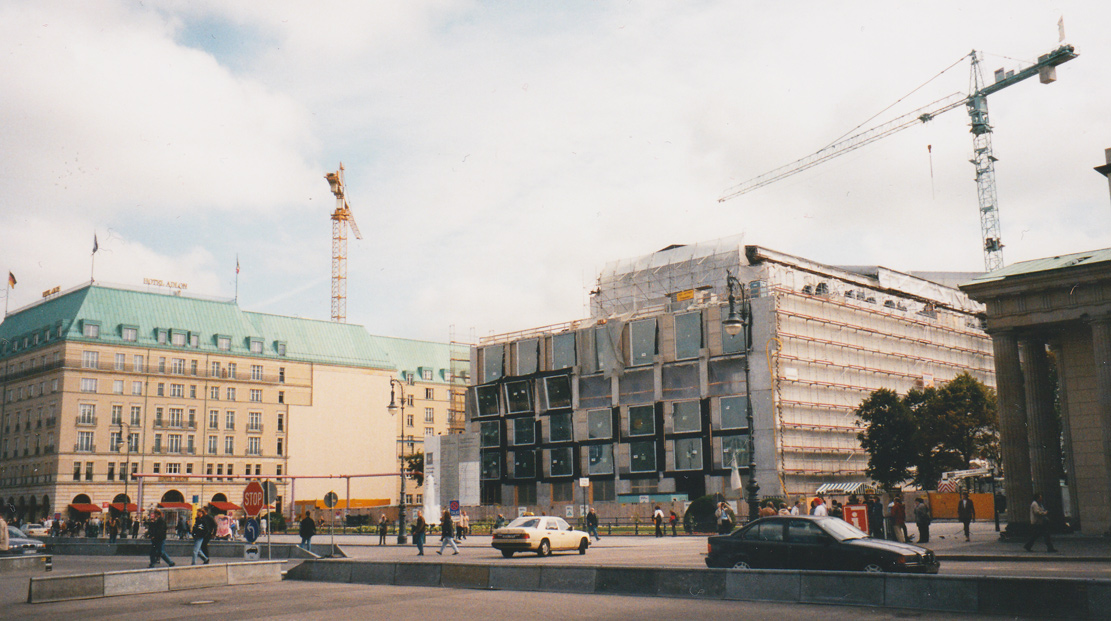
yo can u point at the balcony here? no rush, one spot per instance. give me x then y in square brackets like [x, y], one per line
[87, 448]
[254, 428]
[51, 422]
[82, 421]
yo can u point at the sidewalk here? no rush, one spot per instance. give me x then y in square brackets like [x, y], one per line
[947, 541]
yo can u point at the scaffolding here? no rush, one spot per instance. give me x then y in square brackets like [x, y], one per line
[460, 367]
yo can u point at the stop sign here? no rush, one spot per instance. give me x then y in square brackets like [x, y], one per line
[253, 499]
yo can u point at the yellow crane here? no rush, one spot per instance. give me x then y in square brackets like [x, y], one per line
[341, 217]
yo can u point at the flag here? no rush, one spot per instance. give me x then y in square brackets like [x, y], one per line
[236, 264]
[95, 245]
[735, 477]
[11, 279]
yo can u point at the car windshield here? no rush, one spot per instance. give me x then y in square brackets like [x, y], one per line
[525, 522]
[842, 530]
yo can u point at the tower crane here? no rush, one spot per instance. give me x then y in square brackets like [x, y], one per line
[982, 158]
[341, 218]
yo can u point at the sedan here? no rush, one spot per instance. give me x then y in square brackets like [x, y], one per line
[19, 543]
[818, 543]
[36, 530]
[541, 534]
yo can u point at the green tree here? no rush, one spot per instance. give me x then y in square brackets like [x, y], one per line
[414, 464]
[888, 437]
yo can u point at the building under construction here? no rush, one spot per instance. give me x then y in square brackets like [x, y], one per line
[647, 398]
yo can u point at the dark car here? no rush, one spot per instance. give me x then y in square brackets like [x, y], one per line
[20, 543]
[811, 542]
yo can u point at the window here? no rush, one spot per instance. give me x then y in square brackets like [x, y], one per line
[492, 362]
[256, 346]
[256, 395]
[426, 375]
[211, 448]
[161, 389]
[173, 468]
[232, 370]
[731, 344]
[178, 339]
[192, 367]
[254, 421]
[490, 434]
[223, 343]
[642, 342]
[281, 396]
[90, 330]
[136, 414]
[176, 416]
[177, 366]
[161, 365]
[733, 414]
[194, 340]
[229, 445]
[256, 372]
[281, 422]
[524, 431]
[214, 419]
[117, 415]
[686, 416]
[231, 393]
[429, 431]
[121, 360]
[192, 391]
[280, 446]
[88, 384]
[161, 336]
[491, 466]
[157, 443]
[642, 456]
[563, 350]
[600, 459]
[84, 441]
[177, 390]
[688, 335]
[132, 445]
[429, 415]
[111, 472]
[429, 393]
[89, 471]
[280, 347]
[281, 374]
[137, 388]
[86, 414]
[129, 334]
[174, 442]
[157, 467]
[117, 387]
[229, 419]
[642, 420]
[408, 420]
[214, 369]
[487, 398]
[562, 463]
[558, 391]
[115, 441]
[76, 471]
[600, 424]
[734, 447]
[254, 445]
[137, 364]
[524, 464]
[191, 448]
[528, 356]
[688, 454]
[560, 428]
[214, 393]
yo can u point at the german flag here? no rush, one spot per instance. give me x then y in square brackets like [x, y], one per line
[11, 279]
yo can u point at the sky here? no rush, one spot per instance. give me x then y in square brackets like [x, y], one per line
[498, 154]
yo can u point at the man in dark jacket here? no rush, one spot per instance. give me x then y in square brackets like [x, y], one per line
[200, 533]
[447, 533]
[874, 508]
[210, 528]
[157, 529]
[966, 513]
[307, 529]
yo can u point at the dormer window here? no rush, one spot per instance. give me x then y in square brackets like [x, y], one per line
[256, 346]
[89, 329]
[223, 343]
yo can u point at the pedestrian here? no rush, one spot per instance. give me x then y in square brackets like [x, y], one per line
[658, 520]
[156, 527]
[383, 528]
[874, 510]
[182, 528]
[818, 507]
[135, 529]
[783, 510]
[767, 510]
[591, 524]
[3, 534]
[673, 519]
[922, 517]
[725, 523]
[498, 523]
[1039, 520]
[55, 528]
[210, 532]
[419, 529]
[899, 518]
[463, 527]
[966, 513]
[234, 525]
[113, 528]
[306, 529]
[836, 510]
[798, 508]
[447, 532]
[200, 526]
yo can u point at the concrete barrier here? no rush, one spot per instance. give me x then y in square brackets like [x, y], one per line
[25, 563]
[1034, 597]
[182, 549]
[157, 580]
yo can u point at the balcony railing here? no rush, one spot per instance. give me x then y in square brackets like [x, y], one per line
[87, 448]
[82, 420]
[254, 428]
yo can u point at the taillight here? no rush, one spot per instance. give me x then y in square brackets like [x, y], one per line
[901, 560]
[707, 548]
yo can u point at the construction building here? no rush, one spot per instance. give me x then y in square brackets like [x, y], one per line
[647, 398]
[105, 387]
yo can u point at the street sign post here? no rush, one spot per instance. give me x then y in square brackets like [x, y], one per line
[331, 499]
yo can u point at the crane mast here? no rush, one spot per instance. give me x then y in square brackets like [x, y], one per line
[982, 157]
[341, 217]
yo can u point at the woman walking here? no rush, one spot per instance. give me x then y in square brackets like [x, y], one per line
[447, 533]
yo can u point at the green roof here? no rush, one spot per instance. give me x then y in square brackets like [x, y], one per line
[113, 309]
[1045, 265]
[409, 356]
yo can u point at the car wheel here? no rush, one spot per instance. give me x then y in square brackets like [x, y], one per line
[545, 548]
[583, 545]
[507, 553]
[874, 568]
[742, 565]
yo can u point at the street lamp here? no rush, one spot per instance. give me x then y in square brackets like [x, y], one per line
[741, 323]
[126, 473]
[393, 410]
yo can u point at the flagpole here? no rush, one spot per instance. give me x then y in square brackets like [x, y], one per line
[236, 278]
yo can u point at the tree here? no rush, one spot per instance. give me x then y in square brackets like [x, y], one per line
[414, 465]
[888, 437]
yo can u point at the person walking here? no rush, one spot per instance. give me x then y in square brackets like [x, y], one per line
[383, 528]
[419, 530]
[658, 520]
[200, 531]
[1039, 519]
[306, 530]
[498, 523]
[464, 526]
[819, 507]
[768, 509]
[798, 508]
[210, 532]
[113, 528]
[673, 519]
[157, 529]
[966, 513]
[899, 517]
[922, 517]
[447, 532]
[591, 524]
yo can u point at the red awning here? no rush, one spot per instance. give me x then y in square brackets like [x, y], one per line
[84, 507]
[225, 506]
[175, 505]
[131, 507]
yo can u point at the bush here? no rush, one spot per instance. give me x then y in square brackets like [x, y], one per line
[700, 515]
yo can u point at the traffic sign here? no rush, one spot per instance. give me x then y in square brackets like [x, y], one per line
[250, 532]
[331, 499]
[253, 500]
[250, 553]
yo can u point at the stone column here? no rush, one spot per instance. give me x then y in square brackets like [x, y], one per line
[1015, 447]
[1101, 350]
[1042, 432]
[1066, 431]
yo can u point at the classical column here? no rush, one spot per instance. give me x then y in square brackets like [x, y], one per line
[1101, 351]
[1015, 447]
[1042, 432]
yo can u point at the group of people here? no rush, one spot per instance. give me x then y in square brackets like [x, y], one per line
[657, 519]
[203, 530]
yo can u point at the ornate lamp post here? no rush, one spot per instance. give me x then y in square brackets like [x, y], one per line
[393, 410]
[741, 323]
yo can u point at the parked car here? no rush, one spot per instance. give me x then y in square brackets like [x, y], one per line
[810, 542]
[540, 534]
[36, 530]
[20, 543]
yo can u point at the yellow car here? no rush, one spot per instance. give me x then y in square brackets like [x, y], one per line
[540, 534]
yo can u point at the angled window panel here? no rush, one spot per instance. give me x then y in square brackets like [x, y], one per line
[518, 397]
[557, 389]
[642, 420]
[688, 454]
[688, 335]
[599, 424]
[563, 351]
[600, 459]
